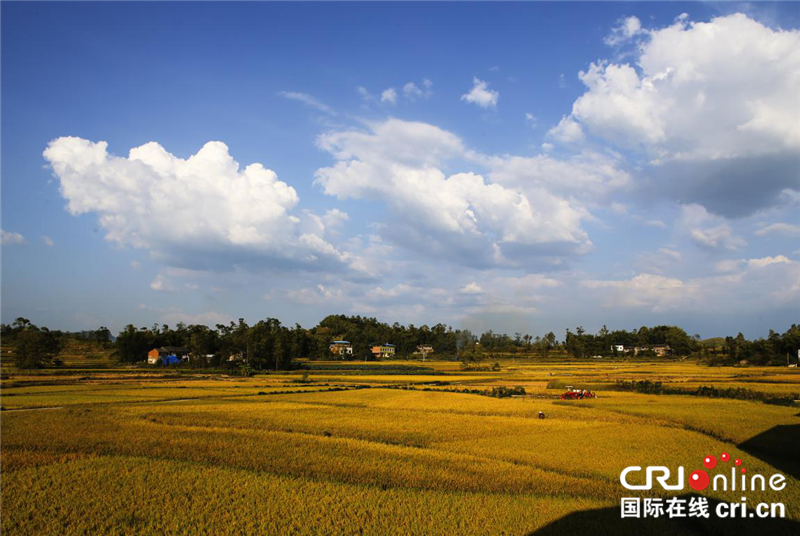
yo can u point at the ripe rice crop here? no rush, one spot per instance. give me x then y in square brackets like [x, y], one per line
[211, 455]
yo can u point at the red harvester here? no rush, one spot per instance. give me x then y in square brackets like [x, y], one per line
[577, 394]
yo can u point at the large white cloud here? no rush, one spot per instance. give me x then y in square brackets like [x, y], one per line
[203, 211]
[714, 106]
[749, 285]
[401, 164]
[728, 87]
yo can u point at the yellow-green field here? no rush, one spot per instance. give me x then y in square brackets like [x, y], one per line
[134, 451]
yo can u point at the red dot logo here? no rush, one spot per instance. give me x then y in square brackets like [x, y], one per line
[725, 456]
[709, 462]
[737, 461]
[745, 470]
[698, 480]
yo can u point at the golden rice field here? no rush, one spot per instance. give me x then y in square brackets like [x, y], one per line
[129, 451]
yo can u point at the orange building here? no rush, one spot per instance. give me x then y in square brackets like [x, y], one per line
[383, 351]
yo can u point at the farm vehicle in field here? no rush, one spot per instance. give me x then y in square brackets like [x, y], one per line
[577, 394]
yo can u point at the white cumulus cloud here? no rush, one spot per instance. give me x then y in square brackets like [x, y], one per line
[389, 95]
[411, 91]
[162, 284]
[590, 174]
[748, 285]
[718, 237]
[708, 230]
[8, 238]
[713, 106]
[471, 288]
[204, 211]
[714, 89]
[481, 95]
[459, 215]
[566, 131]
[627, 28]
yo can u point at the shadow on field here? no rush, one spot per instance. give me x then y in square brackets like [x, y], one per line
[778, 447]
[607, 521]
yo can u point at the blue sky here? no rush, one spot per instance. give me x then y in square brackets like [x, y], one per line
[517, 167]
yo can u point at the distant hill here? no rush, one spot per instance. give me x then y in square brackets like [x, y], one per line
[75, 354]
[86, 354]
[713, 341]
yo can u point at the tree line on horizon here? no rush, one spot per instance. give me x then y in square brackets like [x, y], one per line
[269, 345]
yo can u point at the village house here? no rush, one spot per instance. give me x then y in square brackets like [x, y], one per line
[424, 350]
[169, 355]
[383, 351]
[239, 356]
[341, 349]
[660, 350]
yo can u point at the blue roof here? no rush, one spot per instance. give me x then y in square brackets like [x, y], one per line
[340, 342]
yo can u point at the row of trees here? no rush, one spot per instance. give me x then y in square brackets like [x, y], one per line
[270, 345]
[491, 342]
[265, 345]
[579, 343]
[34, 346]
[582, 344]
[776, 349]
[10, 331]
